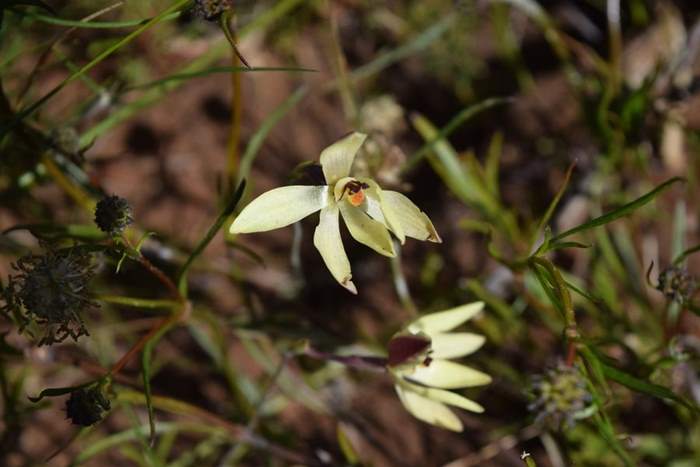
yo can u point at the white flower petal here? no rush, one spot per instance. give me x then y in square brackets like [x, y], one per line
[455, 344]
[413, 222]
[336, 160]
[328, 242]
[445, 374]
[429, 411]
[279, 208]
[366, 230]
[447, 320]
[373, 207]
[378, 211]
[446, 397]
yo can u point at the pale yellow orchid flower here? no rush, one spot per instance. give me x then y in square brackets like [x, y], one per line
[369, 212]
[419, 363]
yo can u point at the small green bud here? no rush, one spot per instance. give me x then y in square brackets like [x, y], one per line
[211, 9]
[113, 215]
[85, 406]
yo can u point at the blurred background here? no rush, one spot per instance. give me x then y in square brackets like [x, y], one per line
[521, 90]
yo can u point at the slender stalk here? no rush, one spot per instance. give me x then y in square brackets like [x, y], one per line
[156, 330]
[138, 302]
[236, 98]
[400, 283]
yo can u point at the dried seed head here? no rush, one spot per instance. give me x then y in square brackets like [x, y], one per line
[677, 284]
[113, 215]
[211, 9]
[51, 290]
[85, 406]
[560, 396]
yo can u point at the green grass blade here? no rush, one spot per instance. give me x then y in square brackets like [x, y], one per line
[645, 387]
[94, 24]
[555, 202]
[53, 392]
[446, 163]
[419, 43]
[620, 212]
[227, 211]
[256, 141]
[455, 122]
[680, 258]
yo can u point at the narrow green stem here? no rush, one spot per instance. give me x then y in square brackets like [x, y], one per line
[138, 302]
[211, 233]
[400, 283]
[93, 24]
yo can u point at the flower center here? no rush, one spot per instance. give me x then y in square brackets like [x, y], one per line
[356, 195]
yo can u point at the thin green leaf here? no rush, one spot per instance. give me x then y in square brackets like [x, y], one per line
[620, 212]
[421, 42]
[146, 374]
[555, 202]
[454, 123]
[682, 257]
[492, 163]
[346, 447]
[53, 392]
[50, 231]
[447, 165]
[95, 24]
[138, 302]
[645, 387]
[223, 216]
[258, 138]
[561, 245]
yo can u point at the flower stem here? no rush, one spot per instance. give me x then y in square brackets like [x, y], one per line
[400, 283]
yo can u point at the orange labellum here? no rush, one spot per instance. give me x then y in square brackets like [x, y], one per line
[356, 198]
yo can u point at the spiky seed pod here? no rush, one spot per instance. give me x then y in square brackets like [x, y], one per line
[677, 284]
[86, 406]
[52, 290]
[113, 215]
[560, 396]
[211, 9]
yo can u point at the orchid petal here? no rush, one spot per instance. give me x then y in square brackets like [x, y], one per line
[446, 397]
[373, 208]
[376, 209]
[337, 158]
[366, 230]
[412, 222]
[445, 374]
[280, 207]
[445, 320]
[328, 242]
[429, 411]
[455, 344]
